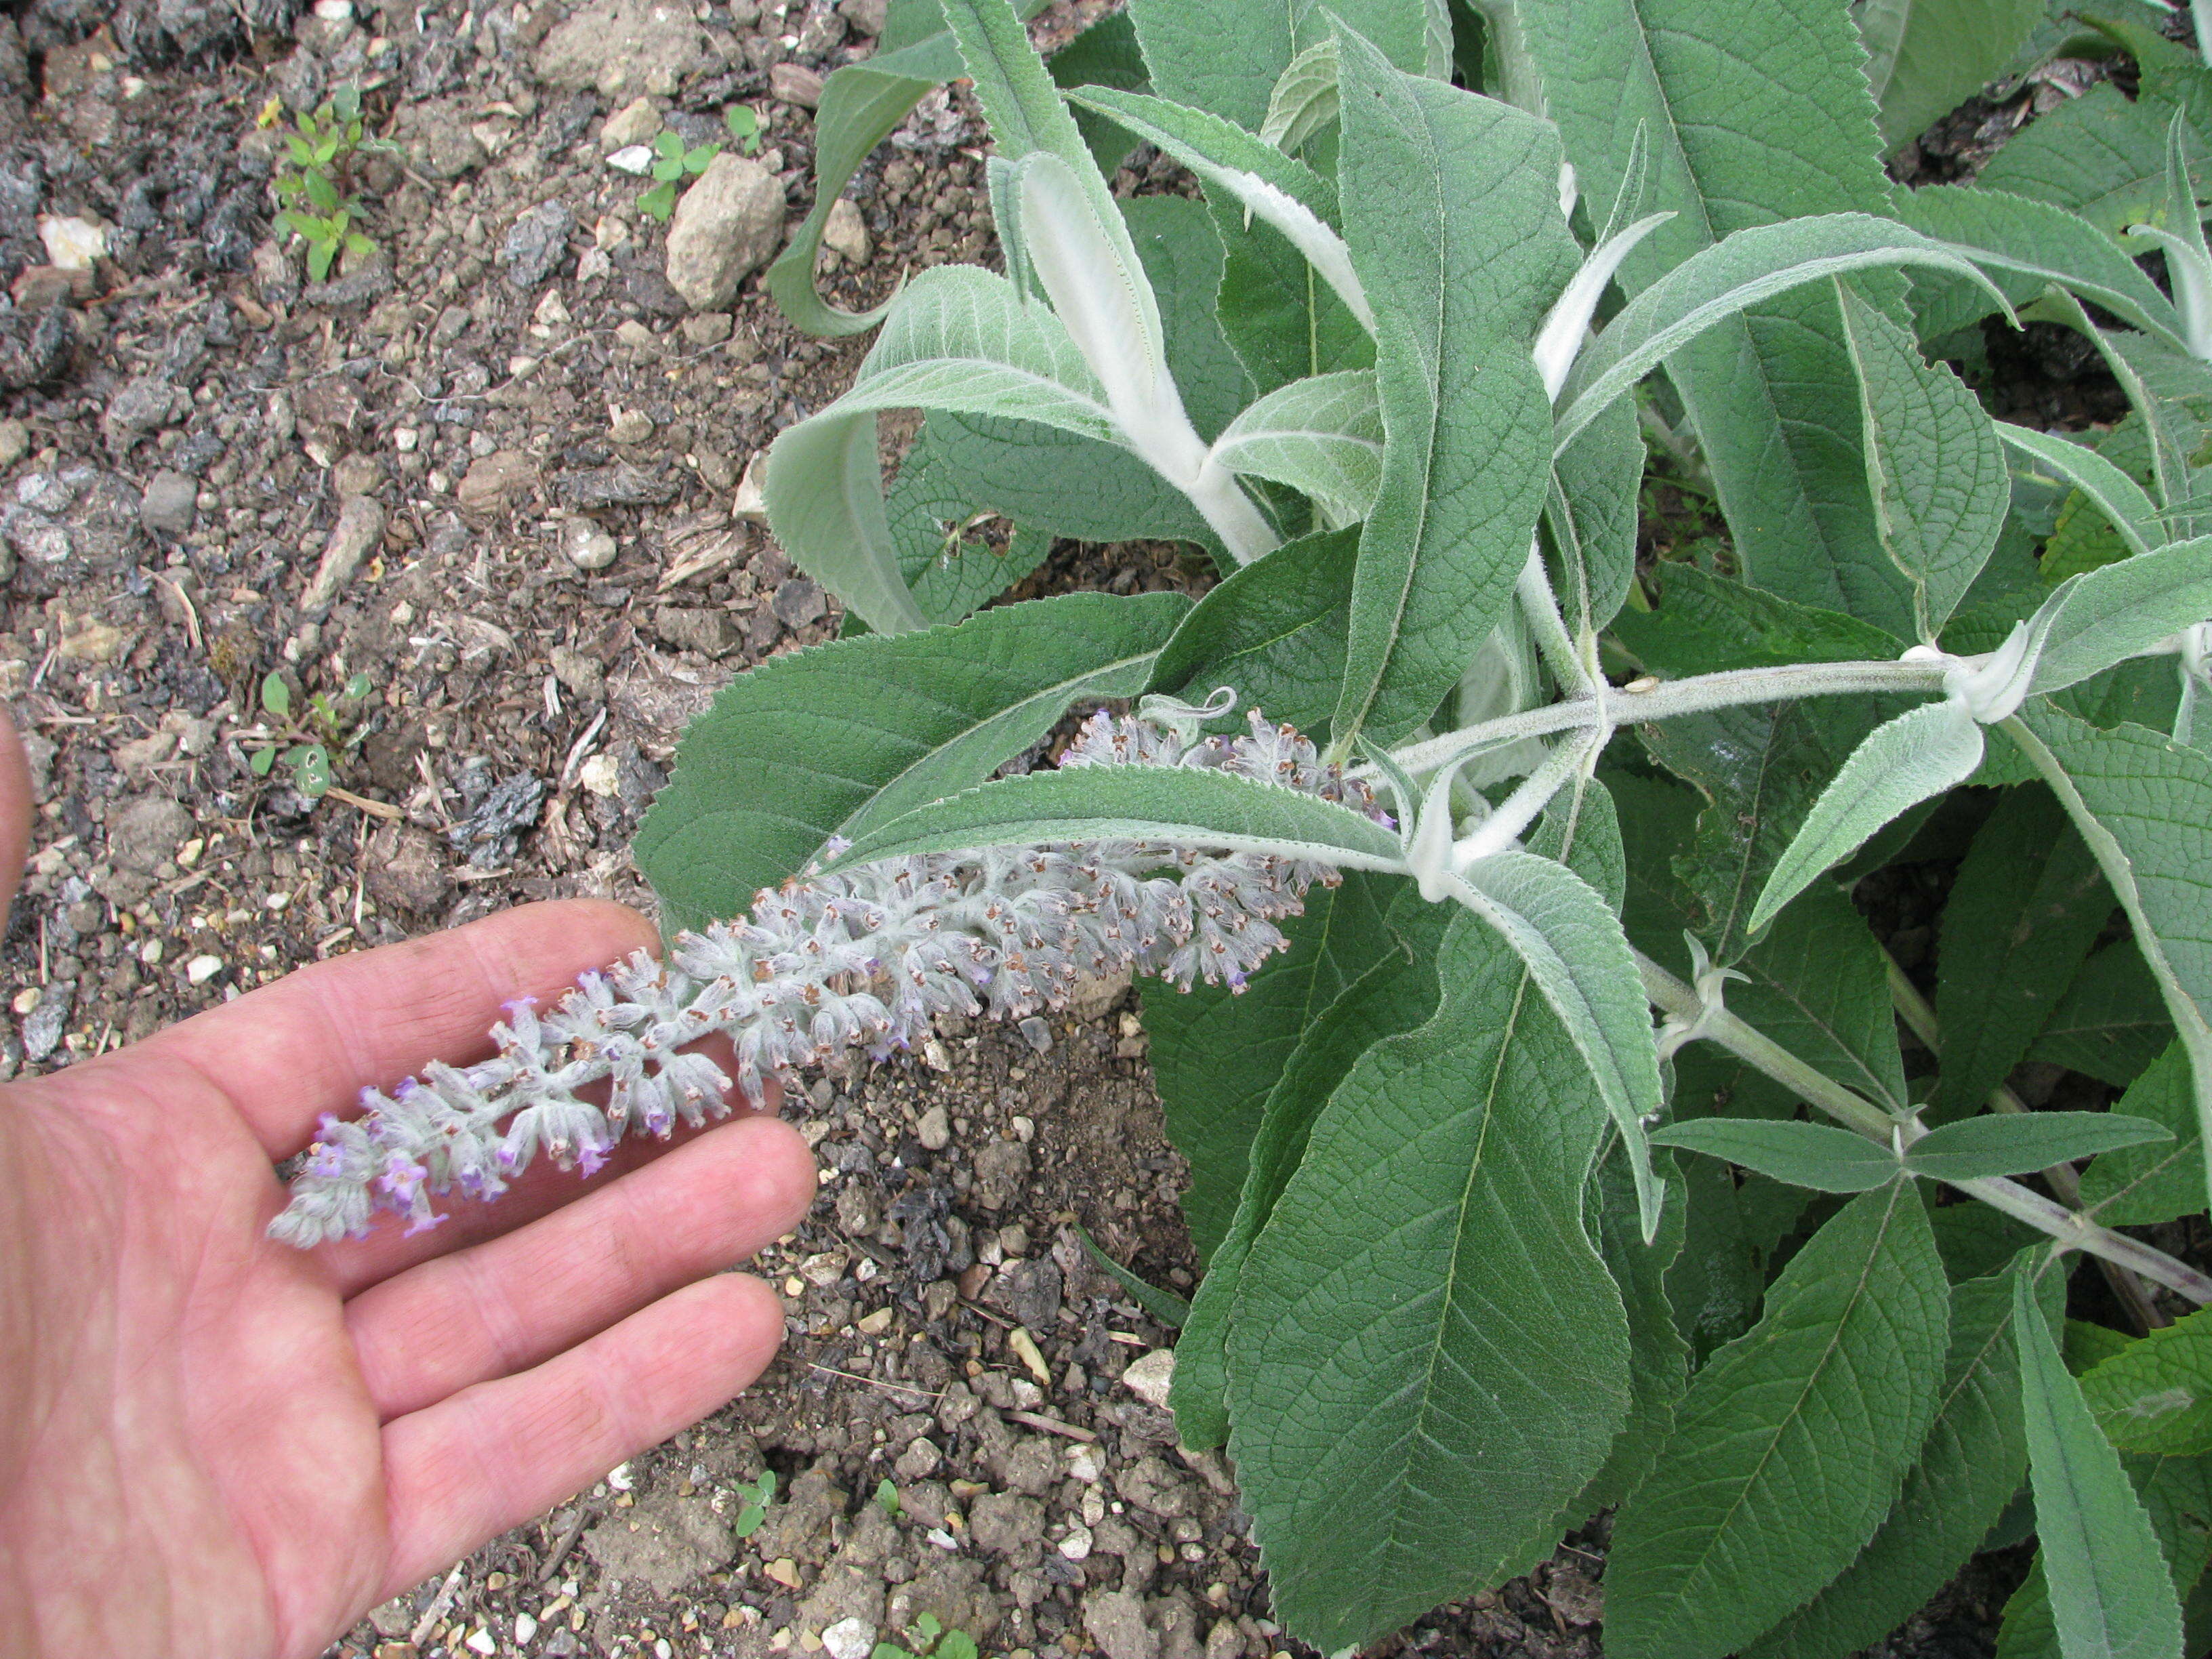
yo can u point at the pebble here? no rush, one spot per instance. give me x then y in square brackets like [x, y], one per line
[1151, 1376]
[600, 776]
[1076, 1546]
[844, 232]
[482, 1641]
[170, 504]
[525, 1627]
[707, 328]
[200, 970]
[795, 83]
[635, 160]
[850, 1638]
[15, 442]
[359, 528]
[536, 242]
[798, 602]
[728, 225]
[631, 426]
[935, 1130]
[635, 124]
[42, 1030]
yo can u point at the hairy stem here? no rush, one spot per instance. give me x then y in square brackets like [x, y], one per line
[1678, 1001]
[1222, 503]
[1618, 705]
[1534, 588]
[2061, 1178]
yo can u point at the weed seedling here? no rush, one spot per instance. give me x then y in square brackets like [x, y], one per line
[304, 745]
[324, 147]
[674, 166]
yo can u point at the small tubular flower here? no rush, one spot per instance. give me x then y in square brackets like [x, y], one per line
[862, 958]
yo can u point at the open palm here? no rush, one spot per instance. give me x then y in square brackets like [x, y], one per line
[211, 1443]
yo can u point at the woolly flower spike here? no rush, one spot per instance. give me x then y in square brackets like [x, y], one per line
[863, 957]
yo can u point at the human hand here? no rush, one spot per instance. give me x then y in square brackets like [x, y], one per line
[213, 1443]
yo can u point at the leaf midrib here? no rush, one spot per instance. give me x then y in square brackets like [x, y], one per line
[1900, 1188]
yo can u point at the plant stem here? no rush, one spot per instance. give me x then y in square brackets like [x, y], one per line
[1222, 503]
[2061, 1178]
[1698, 695]
[1678, 1001]
[1522, 807]
[1547, 625]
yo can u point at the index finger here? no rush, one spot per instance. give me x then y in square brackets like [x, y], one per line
[308, 1044]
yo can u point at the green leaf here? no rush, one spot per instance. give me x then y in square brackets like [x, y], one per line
[1568, 936]
[908, 717]
[1323, 436]
[2142, 1186]
[310, 769]
[658, 203]
[1427, 1357]
[1918, 754]
[261, 760]
[2155, 1395]
[2109, 1025]
[743, 122]
[1760, 767]
[1181, 252]
[1296, 1066]
[1274, 631]
[2118, 496]
[1142, 803]
[2101, 156]
[2143, 802]
[1815, 1154]
[1972, 1463]
[1164, 1306]
[1941, 490]
[1928, 56]
[321, 252]
[1217, 1053]
[1707, 624]
[1658, 1357]
[2028, 903]
[2016, 1143]
[1227, 56]
[276, 695]
[1598, 478]
[1817, 984]
[1753, 112]
[695, 160]
[2110, 1592]
[1792, 1443]
[2106, 616]
[960, 339]
[1452, 210]
[860, 104]
[1305, 98]
[1106, 54]
[668, 146]
[2024, 244]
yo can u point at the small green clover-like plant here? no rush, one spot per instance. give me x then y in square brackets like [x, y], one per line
[324, 149]
[758, 1496]
[304, 745]
[887, 1499]
[674, 165]
[932, 1641]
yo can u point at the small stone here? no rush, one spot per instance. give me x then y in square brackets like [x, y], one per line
[525, 1628]
[200, 970]
[636, 160]
[536, 243]
[844, 232]
[359, 528]
[1086, 1463]
[707, 328]
[850, 1638]
[935, 1130]
[784, 1571]
[637, 336]
[481, 1640]
[624, 47]
[42, 1030]
[1037, 1034]
[634, 123]
[798, 602]
[726, 227]
[710, 632]
[145, 832]
[1151, 1376]
[600, 775]
[631, 426]
[619, 485]
[15, 442]
[1076, 1546]
[1115, 1621]
[795, 83]
[866, 16]
[495, 480]
[170, 504]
